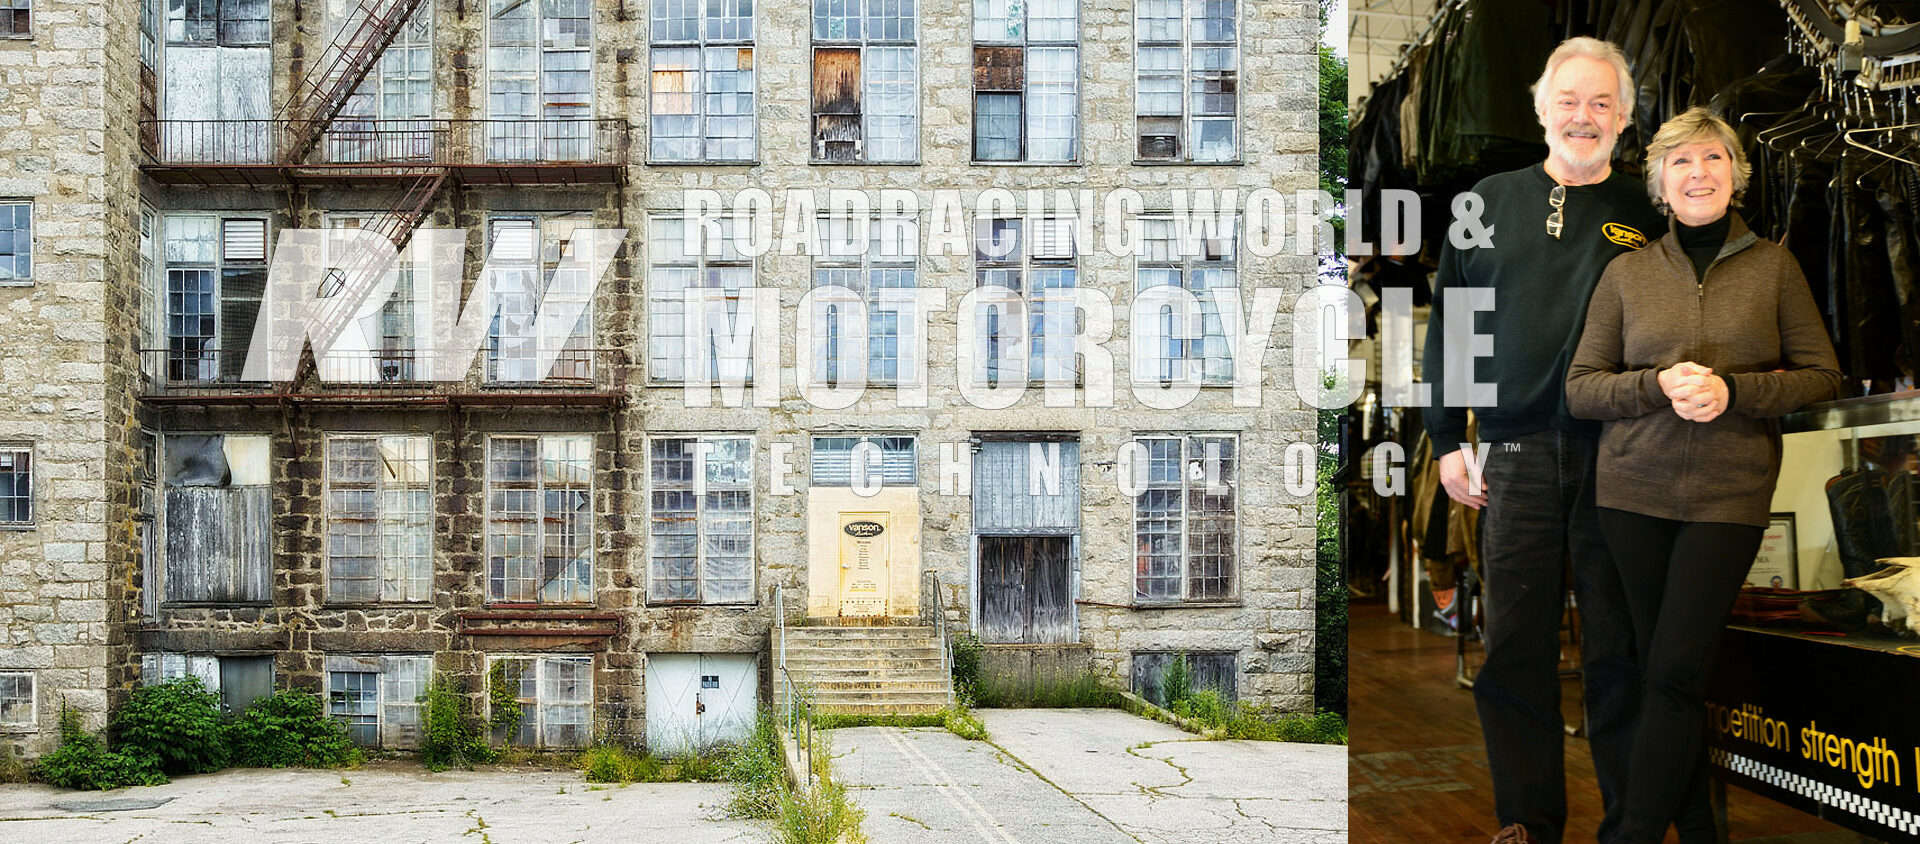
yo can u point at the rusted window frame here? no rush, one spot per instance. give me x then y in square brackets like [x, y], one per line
[1188, 132]
[383, 568]
[861, 46]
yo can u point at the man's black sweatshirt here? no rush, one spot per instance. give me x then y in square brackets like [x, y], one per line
[1541, 286]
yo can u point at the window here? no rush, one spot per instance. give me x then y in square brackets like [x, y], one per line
[378, 697]
[703, 85]
[239, 680]
[1162, 262]
[16, 18]
[1042, 268]
[219, 539]
[539, 80]
[1184, 518]
[890, 262]
[382, 346]
[670, 272]
[898, 464]
[866, 87]
[701, 540]
[525, 253]
[1026, 71]
[1186, 100]
[149, 287]
[1216, 671]
[16, 485]
[556, 697]
[223, 23]
[16, 701]
[540, 519]
[216, 274]
[397, 91]
[16, 241]
[379, 519]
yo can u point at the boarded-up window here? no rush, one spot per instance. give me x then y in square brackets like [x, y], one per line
[378, 697]
[539, 80]
[889, 461]
[216, 275]
[16, 484]
[1026, 72]
[866, 81]
[16, 699]
[555, 694]
[671, 271]
[216, 80]
[700, 544]
[540, 519]
[239, 680]
[890, 263]
[702, 93]
[525, 253]
[1186, 76]
[218, 518]
[1185, 522]
[1200, 262]
[379, 519]
[1216, 671]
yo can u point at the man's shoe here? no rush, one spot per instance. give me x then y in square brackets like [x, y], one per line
[1513, 834]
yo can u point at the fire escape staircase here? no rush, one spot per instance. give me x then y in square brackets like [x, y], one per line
[371, 27]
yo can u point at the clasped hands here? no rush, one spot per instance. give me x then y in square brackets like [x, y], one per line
[1697, 394]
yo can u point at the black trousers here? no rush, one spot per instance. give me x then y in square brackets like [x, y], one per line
[1681, 579]
[1539, 514]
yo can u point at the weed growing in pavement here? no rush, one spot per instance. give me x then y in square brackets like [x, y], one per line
[1057, 691]
[961, 722]
[178, 722]
[1234, 720]
[12, 767]
[757, 771]
[825, 816]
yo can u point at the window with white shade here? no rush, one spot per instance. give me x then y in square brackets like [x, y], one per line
[216, 275]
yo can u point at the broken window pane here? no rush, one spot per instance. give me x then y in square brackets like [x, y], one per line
[555, 695]
[865, 91]
[1186, 96]
[701, 539]
[540, 519]
[1040, 120]
[539, 80]
[703, 92]
[378, 697]
[1185, 519]
[379, 519]
[353, 697]
[671, 271]
[217, 519]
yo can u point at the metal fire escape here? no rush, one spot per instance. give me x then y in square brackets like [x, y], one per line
[370, 27]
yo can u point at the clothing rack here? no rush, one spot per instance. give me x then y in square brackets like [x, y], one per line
[1406, 50]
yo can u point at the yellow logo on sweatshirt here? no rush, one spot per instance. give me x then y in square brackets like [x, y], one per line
[1624, 235]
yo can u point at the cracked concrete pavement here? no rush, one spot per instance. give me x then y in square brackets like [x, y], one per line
[1090, 775]
[388, 802]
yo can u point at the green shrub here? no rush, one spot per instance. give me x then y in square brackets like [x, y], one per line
[503, 701]
[966, 653]
[450, 736]
[1047, 692]
[83, 762]
[824, 817]
[961, 722]
[290, 729]
[613, 763]
[757, 769]
[178, 722]
[1207, 706]
[1176, 683]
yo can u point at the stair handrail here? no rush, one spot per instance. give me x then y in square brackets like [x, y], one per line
[934, 614]
[799, 717]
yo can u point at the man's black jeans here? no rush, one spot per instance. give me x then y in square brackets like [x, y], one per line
[1540, 513]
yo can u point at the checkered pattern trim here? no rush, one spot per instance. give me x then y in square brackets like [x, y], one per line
[1891, 817]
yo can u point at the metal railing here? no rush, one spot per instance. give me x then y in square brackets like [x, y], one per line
[797, 711]
[354, 140]
[934, 614]
[212, 371]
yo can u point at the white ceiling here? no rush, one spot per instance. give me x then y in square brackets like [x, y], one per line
[1377, 29]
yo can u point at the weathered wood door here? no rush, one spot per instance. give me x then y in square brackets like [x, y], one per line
[1026, 515]
[1026, 589]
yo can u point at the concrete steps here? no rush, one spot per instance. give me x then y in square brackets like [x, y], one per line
[868, 670]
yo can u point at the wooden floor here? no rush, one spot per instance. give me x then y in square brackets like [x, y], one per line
[1418, 769]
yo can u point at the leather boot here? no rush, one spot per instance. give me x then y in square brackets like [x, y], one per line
[1864, 531]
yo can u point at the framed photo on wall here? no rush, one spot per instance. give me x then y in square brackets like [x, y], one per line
[1777, 566]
